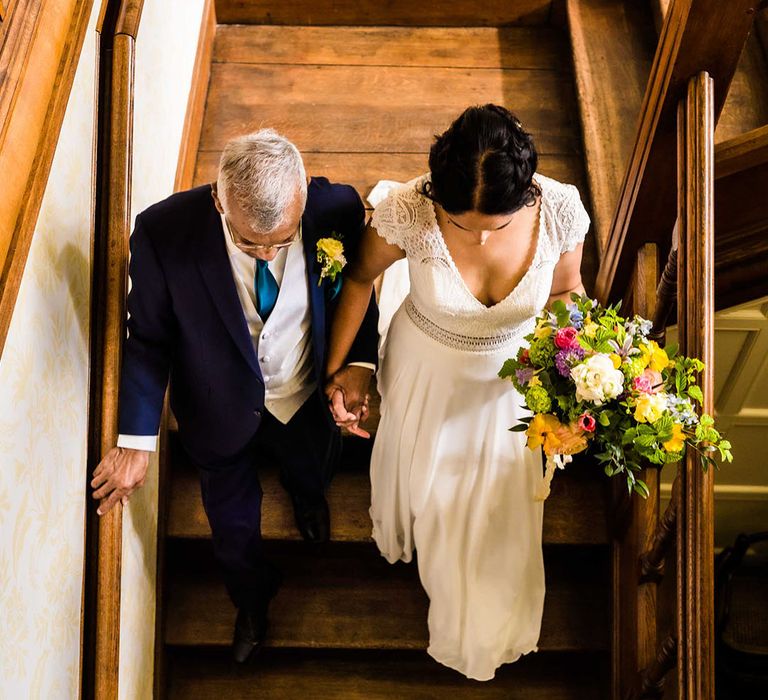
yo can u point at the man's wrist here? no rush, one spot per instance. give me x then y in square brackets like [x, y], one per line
[146, 443]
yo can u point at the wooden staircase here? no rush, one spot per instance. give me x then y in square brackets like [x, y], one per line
[362, 103]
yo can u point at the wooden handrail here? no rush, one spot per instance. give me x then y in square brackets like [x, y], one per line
[695, 317]
[113, 204]
[696, 35]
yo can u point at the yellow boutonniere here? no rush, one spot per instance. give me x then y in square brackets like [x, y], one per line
[330, 254]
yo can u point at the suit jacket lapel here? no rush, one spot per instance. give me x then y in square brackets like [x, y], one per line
[214, 266]
[316, 293]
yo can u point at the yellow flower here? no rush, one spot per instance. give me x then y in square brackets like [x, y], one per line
[649, 407]
[543, 330]
[535, 381]
[541, 430]
[331, 247]
[590, 328]
[653, 356]
[675, 443]
[616, 360]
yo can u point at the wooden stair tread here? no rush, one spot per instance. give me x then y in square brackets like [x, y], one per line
[573, 514]
[539, 48]
[283, 675]
[393, 12]
[352, 598]
[388, 109]
[613, 45]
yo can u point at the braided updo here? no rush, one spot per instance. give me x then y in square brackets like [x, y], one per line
[484, 162]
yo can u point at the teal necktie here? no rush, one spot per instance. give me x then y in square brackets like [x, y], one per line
[266, 290]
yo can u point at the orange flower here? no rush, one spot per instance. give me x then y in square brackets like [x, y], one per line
[571, 439]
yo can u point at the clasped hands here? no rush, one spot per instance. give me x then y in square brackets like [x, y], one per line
[347, 393]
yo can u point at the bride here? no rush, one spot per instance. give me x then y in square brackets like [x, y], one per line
[489, 242]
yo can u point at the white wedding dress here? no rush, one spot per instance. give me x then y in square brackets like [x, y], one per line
[448, 477]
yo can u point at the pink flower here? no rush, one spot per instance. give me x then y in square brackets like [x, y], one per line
[649, 382]
[587, 423]
[567, 338]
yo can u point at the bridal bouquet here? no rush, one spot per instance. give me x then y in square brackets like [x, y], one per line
[593, 380]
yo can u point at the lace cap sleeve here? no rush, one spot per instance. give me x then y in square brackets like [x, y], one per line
[397, 216]
[572, 220]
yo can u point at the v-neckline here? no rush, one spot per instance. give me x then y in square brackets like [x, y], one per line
[455, 268]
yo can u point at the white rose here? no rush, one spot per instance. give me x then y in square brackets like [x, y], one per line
[597, 380]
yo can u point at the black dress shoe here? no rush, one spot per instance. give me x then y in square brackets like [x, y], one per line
[250, 631]
[312, 517]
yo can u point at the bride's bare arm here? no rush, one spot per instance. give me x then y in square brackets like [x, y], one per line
[567, 276]
[375, 255]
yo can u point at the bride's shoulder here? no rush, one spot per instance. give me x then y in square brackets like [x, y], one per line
[569, 216]
[403, 211]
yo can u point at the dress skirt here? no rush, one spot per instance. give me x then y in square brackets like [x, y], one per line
[451, 481]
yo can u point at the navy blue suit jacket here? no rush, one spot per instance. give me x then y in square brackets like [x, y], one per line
[185, 320]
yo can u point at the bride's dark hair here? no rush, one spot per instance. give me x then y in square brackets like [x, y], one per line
[485, 162]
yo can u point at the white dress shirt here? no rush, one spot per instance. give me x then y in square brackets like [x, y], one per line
[283, 344]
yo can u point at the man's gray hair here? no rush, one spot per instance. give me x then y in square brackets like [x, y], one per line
[263, 172]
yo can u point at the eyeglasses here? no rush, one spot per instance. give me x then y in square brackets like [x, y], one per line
[246, 246]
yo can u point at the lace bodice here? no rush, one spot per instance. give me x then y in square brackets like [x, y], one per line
[440, 303]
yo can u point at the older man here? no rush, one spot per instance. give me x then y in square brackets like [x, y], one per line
[229, 299]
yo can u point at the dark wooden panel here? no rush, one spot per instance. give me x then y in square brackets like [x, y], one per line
[613, 44]
[333, 108]
[392, 12]
[741, 219]
[461, 47]
[208, 674]
[345, 599]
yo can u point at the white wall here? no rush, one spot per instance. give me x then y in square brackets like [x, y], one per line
[166, 46]
[43, 422]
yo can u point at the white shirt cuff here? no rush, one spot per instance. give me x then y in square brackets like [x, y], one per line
[138, 442]
[367, 365]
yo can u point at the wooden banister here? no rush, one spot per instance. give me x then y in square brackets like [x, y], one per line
[695, 317]
[113, 201]
[652, 560]
[696, 35]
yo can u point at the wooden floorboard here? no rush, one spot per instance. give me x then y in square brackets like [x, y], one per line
[539, 48]
[352, 598]
[209, 674]
[446, 13]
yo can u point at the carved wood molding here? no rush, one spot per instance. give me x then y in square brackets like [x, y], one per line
[40, 47]
[652, 560]
[696, 310]
[696, 35]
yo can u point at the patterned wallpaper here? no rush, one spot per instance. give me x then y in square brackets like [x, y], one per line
[164, 63]
[43, 424]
